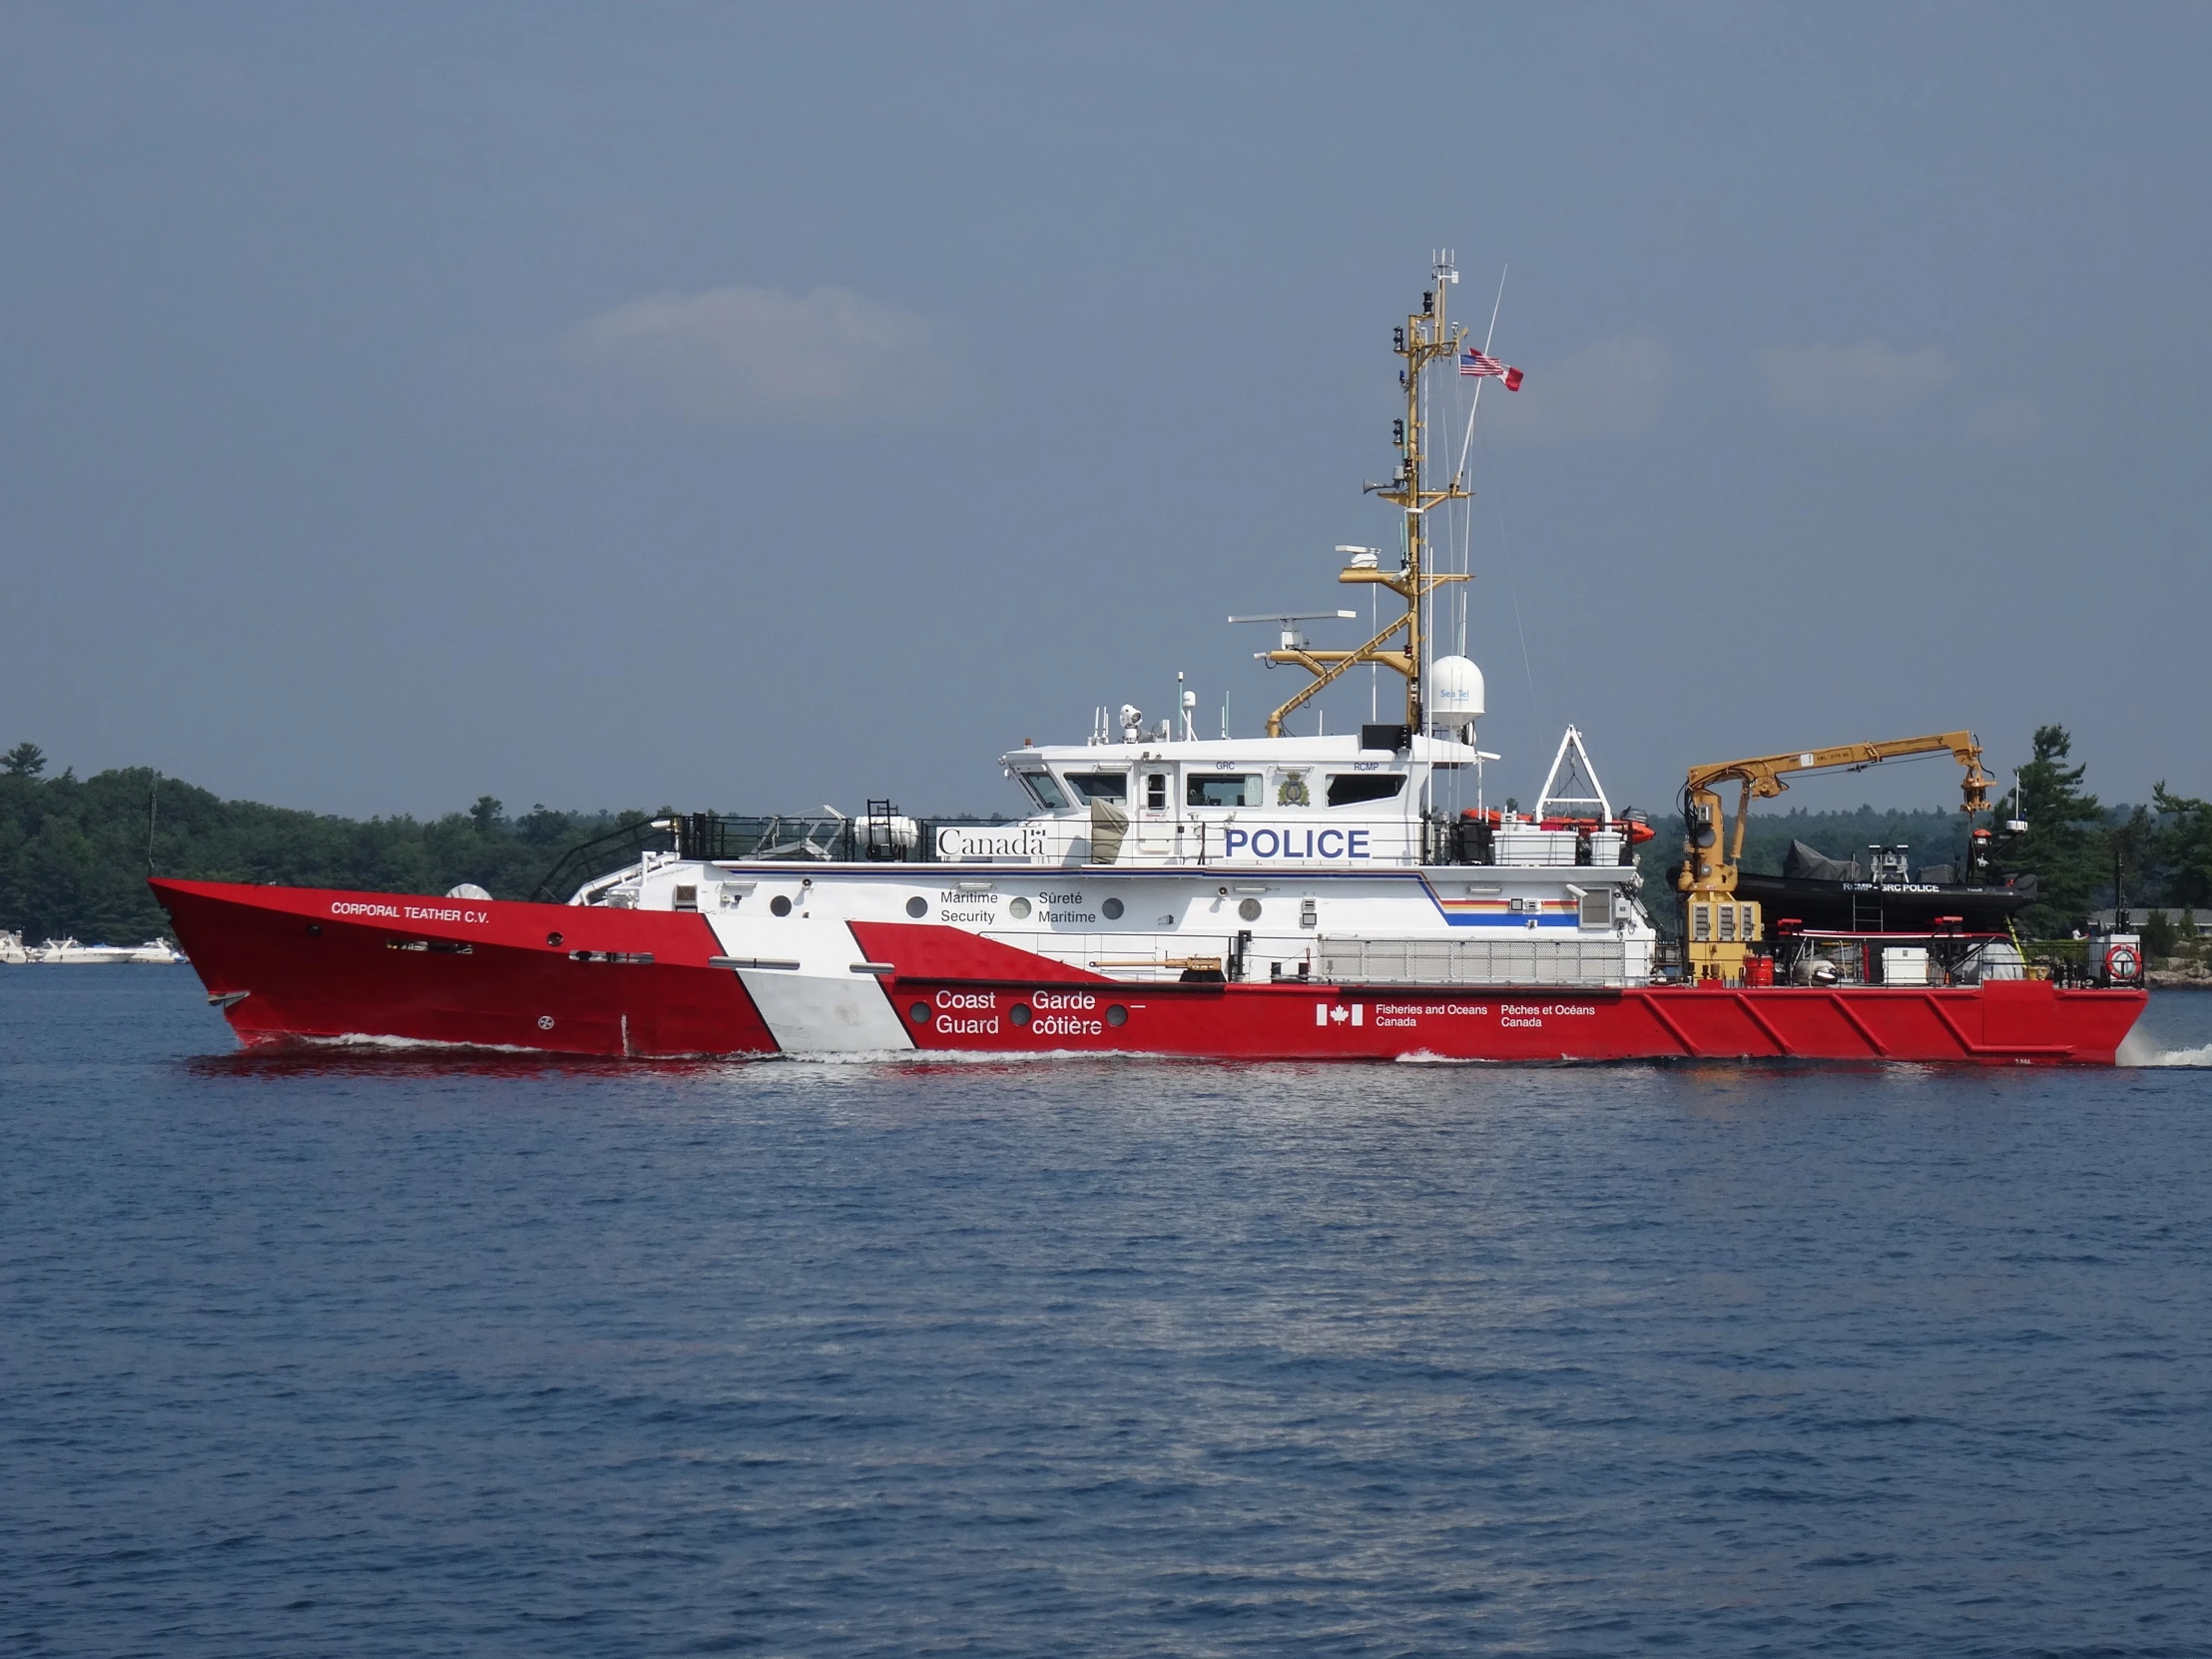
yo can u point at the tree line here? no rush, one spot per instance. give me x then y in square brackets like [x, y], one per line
[75, 853]
[2087, 856]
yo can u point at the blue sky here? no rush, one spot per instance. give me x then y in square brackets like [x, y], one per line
[757, 408]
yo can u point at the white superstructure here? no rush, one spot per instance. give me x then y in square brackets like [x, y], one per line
[1157, 859]
[1153, 856]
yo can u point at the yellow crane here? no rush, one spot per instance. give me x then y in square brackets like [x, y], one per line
[1716, 928]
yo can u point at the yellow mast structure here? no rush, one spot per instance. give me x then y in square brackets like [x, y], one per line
[1717, 930]
[1428, 335]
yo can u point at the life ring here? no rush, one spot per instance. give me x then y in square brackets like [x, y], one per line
[2121, 962]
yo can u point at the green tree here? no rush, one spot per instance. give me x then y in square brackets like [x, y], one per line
[25, 759]
[2184, 845]
[543, 827]
[2131, 859]
[2161, 936]
[2063, 844]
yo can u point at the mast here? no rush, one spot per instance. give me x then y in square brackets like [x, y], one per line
[1428, 335]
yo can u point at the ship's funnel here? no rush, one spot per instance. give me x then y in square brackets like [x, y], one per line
[1455, 692]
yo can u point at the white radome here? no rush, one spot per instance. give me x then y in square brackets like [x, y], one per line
[1455, 692]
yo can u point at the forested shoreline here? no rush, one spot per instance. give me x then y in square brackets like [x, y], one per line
[75, 853]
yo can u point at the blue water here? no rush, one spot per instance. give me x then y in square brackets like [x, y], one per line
[428, 1357]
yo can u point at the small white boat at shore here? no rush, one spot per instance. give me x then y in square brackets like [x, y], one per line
[155, 952]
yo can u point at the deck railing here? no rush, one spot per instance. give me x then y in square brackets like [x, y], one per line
[1516, 960]
[878, 837]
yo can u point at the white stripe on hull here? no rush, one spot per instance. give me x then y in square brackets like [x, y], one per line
[821, 1004]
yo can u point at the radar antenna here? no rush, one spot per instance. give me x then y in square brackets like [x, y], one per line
[1294, 639]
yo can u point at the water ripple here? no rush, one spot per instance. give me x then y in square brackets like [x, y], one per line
[417, 1354]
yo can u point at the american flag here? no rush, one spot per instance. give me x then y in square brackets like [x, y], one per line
[1479, 364]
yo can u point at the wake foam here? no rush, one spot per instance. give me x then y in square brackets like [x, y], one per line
[363, 1042]
[2137, 1049]
[959, 1056]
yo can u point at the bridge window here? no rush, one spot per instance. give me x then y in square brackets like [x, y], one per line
[1100, 786]
[1222, 789]
[1348, 788]
[1043, 790]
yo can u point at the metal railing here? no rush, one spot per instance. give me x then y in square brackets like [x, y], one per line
[1514, 961]
[880, 837]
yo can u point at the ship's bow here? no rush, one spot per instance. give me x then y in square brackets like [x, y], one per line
[312, 964]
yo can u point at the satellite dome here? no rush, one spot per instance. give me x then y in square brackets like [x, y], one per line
[1455, 692]
[467, 889]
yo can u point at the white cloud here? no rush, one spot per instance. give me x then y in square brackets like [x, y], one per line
[757, 357]
[1866, 379]
[1610, 389]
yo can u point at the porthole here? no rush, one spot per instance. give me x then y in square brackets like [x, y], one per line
[1249, 910]
[1112, 907]
[314, 929]
[1117, 1015]
[780, 905]
[1020, 1015]
[553, 940]
[1018, 909]
[917, 907]
[919, 1013]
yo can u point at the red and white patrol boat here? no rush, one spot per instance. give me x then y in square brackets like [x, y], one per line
[1281, 898]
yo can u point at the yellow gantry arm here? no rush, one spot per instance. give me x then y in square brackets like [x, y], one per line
[1711, 850]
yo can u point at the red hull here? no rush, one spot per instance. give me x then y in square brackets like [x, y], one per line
[586, 980]
[2005, 1022]
[565, 979]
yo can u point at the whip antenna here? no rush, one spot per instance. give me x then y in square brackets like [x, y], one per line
[1460, 475]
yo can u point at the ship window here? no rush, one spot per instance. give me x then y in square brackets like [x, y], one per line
[1043, 790]
[1100, 786]
[1156, 791]
[1350, 787]
[1223, 789]
[1597, 909]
